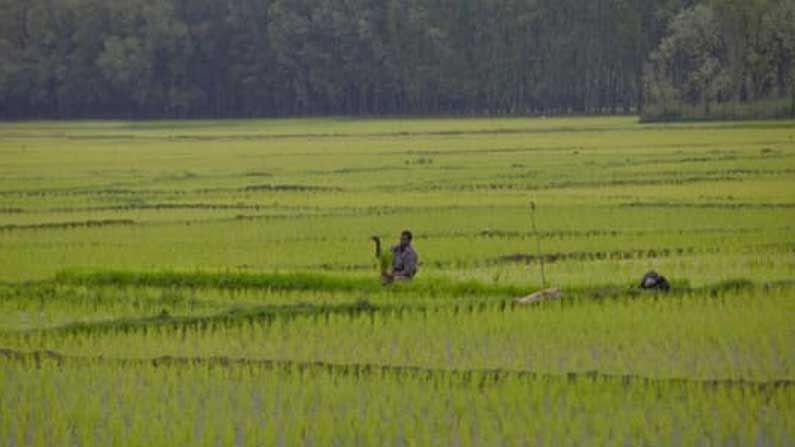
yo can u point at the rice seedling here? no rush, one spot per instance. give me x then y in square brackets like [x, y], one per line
[159, 290]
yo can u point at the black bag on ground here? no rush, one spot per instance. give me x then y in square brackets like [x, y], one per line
[655, 281]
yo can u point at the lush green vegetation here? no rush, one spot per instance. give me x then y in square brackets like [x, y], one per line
[146, 404]
[213, 283]
[664, 59]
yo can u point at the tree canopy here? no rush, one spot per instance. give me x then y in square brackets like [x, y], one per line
[228, 58]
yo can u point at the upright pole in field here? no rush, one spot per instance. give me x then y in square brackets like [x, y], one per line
[538, 243]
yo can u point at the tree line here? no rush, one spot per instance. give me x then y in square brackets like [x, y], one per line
[239, 58]
[725, 59]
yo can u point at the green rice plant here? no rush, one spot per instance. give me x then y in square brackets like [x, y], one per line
[279, 281]
[729, 336]
[160, 291]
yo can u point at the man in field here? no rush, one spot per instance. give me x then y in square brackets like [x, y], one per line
[404, 259]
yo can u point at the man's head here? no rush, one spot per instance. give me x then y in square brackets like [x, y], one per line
[405, 238]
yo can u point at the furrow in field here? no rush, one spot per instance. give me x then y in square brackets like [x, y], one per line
[126, 191]
[718, 156]
[67, 225]
[572, 184]
[651, 253]
[481, 377]
[726, 205]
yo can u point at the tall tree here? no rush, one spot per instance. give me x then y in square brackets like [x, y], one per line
[221, 58]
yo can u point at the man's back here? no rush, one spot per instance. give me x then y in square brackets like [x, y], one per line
[404, 261]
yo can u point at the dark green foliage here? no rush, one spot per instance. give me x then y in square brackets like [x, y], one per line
[176, 58]
[725, 60]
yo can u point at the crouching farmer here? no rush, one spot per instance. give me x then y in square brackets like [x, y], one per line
[403, 265]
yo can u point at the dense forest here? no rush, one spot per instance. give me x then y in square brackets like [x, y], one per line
[237, 58]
